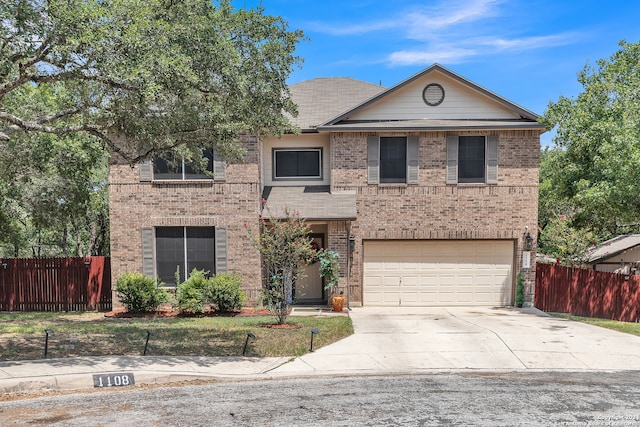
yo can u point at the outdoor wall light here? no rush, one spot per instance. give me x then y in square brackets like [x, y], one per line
[313, 332]
[4, 265]
[352, 242]
[249, 335]
[146, 344]
[46, 341]
[528, 242]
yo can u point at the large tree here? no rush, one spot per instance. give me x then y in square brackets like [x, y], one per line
[592, 173]
[144, 76]
[84, 79]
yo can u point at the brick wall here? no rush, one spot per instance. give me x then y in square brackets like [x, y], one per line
[433, 210]
[232, 203]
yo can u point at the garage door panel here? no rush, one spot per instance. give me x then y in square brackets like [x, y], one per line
[415, 273]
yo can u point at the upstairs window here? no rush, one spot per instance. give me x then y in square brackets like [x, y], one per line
[392, 159]
[472, 159]
[303, 163]
[177, 168]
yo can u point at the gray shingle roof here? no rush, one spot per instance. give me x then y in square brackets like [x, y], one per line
[614, 247]
[319, 100]
[310, 203]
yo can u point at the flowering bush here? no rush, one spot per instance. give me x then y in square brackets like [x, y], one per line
[285, 246]
[570, 245]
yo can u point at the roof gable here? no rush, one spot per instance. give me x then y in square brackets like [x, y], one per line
[463, 100]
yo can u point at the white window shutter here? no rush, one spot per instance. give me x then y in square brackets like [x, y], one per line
[413, 159]
[492, 159]
[373, 159]
[452, 160]
[219, 167]
[147, 252]
[145, 171]
[221, 250]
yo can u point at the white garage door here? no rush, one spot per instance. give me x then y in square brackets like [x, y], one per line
[437, 273]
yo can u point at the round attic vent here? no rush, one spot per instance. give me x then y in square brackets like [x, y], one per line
[433, 94]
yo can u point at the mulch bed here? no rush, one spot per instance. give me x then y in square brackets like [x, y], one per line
[245, 311]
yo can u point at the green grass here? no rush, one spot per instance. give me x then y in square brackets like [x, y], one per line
[626, 327]
[22, 335]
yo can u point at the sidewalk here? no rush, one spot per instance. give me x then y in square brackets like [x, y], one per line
[78, 373]
[387, 340]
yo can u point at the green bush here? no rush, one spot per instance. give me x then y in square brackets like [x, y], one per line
[139, 293]
[519, 291]
[190, 295]
[224, 292]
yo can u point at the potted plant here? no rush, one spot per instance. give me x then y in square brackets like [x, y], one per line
[519, 291]
[329, 271]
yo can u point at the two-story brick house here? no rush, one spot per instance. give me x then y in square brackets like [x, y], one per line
[425, 189]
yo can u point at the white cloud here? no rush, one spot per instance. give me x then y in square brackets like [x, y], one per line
[416, 19]
[465, 49]
[451, 31]
[442, 55]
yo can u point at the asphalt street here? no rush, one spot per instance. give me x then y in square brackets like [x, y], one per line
[460, 399]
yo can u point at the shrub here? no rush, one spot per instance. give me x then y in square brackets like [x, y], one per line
[224, 292]
[519, 291]
[190, 294]
[139, 293]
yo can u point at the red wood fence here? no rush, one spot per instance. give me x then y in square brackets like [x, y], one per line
[587, 293]
[55, 284]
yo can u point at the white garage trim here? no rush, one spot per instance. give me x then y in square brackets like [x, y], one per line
[438, 273]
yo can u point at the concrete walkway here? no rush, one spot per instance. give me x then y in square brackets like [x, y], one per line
[387, 340]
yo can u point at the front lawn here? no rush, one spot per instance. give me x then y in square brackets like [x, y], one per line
[22, 335]
[626, 327]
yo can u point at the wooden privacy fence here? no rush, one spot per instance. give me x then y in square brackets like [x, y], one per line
[587, 293]
[55, 284]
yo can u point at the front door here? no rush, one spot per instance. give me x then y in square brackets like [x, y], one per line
[309, 289]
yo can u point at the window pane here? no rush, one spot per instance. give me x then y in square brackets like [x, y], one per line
[309, 163]
[200, 249]
[297, 163]
[471, 159]
[393, 159]
[169, 253]
[167, 167]
[286, 164]
[192, 172]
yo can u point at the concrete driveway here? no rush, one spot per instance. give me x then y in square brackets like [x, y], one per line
[394, 339]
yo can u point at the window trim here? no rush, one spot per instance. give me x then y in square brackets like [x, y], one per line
[491, 160]
[402, 180]
[217, 170]
[412, 160]
[276, 150]
[149, 249]
[474, 180]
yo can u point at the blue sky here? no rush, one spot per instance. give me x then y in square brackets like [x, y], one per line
[526, 51]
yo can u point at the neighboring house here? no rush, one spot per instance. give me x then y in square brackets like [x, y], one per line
[425, 190]
[618, 255]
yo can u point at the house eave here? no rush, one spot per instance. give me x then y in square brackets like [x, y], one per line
[432, 125]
